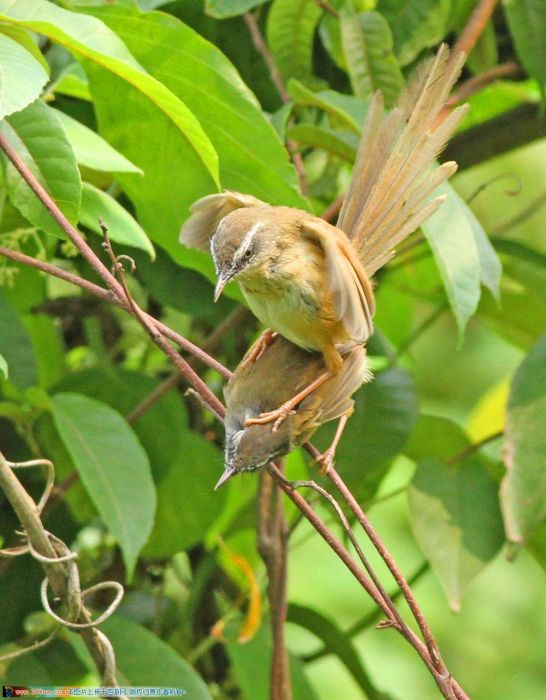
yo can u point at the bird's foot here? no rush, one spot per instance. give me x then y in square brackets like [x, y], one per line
[267, 338]
[278, 416]
[326, 460]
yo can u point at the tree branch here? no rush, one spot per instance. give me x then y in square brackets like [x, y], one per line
[474, 27]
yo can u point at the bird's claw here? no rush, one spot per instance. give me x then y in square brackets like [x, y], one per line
[264, 341]
[279, 415]
[326, 461]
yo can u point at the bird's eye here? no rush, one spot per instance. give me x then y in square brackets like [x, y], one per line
[247, 254]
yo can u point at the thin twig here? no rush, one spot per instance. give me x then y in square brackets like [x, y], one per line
[327, 7]
[531, 208]
[262, 48]
[331, 212]
[480, 81]
[209, 345]
[475, 447]
[474, 27]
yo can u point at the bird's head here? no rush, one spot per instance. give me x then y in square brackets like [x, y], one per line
[251, 447]
[243, 242]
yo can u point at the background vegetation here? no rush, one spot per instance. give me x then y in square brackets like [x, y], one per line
[131, 113]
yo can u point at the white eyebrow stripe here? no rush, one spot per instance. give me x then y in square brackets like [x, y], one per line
[247, 240]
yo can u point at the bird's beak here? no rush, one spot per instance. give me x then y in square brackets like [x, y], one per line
[226, 476]
[223, 279]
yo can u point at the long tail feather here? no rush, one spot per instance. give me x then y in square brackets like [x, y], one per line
[393, 176]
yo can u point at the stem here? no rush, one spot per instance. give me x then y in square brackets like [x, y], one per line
[474, 27]
[272, 546]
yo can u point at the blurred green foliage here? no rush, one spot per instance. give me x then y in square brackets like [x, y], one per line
[132, 109]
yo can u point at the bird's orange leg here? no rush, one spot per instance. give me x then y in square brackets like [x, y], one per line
[267, 338]
[326, 459]
[279, 414]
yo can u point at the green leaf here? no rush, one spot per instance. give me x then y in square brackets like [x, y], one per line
[22, 77]
[456, 519]
[385, 413]
[523, 490]
[48, 346]
[341, 143]
[186, 503]
[415, 24]
[144, 660]
[16, 347]
[508, 321]
[27, 40]
[92, 150]
[4, 367]
[88, 37]
[335, 642]
[527, 23]
[220, 9]
[291, 27]
[73, 82]
[434, 436]
[451, 235]
[193, 68]
[113, 467]
[122, 228]
[327, 100]
[367, 44]
[40, 141]
[251, 663]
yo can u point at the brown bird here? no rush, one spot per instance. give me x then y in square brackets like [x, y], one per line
[256, 387]
[309, 280]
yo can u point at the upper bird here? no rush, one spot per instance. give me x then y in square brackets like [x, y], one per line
[307, 279]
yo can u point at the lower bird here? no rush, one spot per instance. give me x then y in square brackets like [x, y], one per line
[280, 371]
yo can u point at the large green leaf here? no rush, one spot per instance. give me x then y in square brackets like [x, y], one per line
[93, 151]
[230, 8]
[450, 233]
[143, 659]
[523, 491]
[122, 228]
[113, 467]
[22, 77]
[124, 390]
[187, 505]
[415, 24]
[291, 27]
[527, 22]
[456, 519]
[16, 347]
[88, 37]
[197, 71]
[385, 413]
[367, 45]
[41, 142]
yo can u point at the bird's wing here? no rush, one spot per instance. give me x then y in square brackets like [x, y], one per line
[394, 172]
[352, 291]
[337, 391]
[206, 214]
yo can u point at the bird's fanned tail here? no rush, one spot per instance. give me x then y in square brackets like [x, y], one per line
[394, 175]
